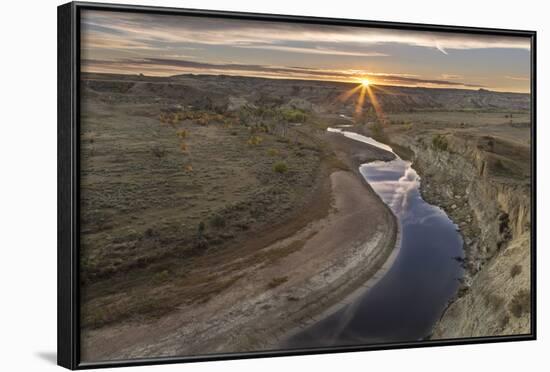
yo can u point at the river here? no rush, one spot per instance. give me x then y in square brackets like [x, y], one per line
[407, 301]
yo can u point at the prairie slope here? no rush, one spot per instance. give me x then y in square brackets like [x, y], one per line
[323, 262]
[205, 228]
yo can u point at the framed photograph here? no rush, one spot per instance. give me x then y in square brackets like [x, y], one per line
[236, 185]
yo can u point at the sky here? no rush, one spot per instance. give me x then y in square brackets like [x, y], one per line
[165, 45]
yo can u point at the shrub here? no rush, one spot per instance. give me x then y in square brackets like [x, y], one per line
[182, 133]
[169, 118]
[161, 276]
[494, 301]
[202, 121]
[149, 233]
[294, 115]
[200, 229]
[499, 165]
[280, 167]
[158, 151]
[439, 142]
[377, 129]
[275, 282]
[504, 320]
[521, 303]
[515, 270]
[217, 221]
[254, 140]
[183, 147]
[273, 152]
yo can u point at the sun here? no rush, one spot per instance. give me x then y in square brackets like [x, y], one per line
[365, 82]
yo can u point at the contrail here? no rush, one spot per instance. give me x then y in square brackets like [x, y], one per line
[440, 48]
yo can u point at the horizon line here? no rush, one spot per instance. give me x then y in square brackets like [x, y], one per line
[309, 80]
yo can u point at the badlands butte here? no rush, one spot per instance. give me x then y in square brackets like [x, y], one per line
[219, 215]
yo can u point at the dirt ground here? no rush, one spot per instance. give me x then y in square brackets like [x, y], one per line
[149, 209]
[194, 234]
[218, 215]
[275, 289]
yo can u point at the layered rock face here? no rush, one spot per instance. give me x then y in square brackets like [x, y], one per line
[483, 183]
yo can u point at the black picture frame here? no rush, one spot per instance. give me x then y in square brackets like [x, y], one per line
[68, 327]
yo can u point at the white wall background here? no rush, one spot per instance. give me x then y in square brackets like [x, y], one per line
[28, 184]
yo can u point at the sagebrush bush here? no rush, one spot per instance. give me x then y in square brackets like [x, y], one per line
[280, 167]
[161, 276]
[294, 115]
[272, 152]
[515, 270]
[182, 133]
[183, 147]
[158, 151]
[439, 142]
[217, 221]
[254, 140]
[377, 129]
[275, 282]
[521, 303]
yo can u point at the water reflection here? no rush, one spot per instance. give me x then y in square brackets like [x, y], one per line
[406, 302]
[393, 181]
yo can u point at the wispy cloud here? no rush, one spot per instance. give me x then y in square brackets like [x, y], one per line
[168, 44]
[169, 67]
[519, 78]
[314, 50]
[177, 29]
[451, 76]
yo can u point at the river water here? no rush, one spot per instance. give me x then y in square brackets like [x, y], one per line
[407, 301]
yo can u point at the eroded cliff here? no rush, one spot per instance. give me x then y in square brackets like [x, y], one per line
[483, 183]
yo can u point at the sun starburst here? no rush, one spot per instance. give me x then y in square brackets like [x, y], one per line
[365, 88]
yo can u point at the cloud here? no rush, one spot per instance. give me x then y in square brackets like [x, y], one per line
[519, 78]
[167, 67]
[451, 76]
[161, 44]
[154, 28]
[314, 50]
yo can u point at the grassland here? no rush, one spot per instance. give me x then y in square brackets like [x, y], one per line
[217, 213]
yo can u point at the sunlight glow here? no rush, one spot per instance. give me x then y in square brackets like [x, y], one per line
[365, 89]
[360, 100]
[346, 95]
[376, 105]
[365, 82]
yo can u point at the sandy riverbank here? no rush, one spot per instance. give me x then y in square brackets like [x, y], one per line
[328, 260]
